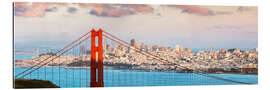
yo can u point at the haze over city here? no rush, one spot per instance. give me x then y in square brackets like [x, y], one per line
[54, 25]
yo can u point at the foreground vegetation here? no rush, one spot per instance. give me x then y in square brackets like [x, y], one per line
[33, 83]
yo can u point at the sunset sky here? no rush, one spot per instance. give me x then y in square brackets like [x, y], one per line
[53, 25]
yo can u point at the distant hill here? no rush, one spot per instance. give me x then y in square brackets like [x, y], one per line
[33, 83]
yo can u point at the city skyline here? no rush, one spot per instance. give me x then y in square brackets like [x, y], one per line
[55, 24]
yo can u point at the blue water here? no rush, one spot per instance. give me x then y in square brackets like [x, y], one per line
[124, 78]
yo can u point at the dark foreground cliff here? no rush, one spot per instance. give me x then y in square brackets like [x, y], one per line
[33, 83]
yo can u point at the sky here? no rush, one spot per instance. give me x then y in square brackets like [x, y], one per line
[53, 25]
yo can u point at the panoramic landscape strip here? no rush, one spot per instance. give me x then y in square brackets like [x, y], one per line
[74, 45]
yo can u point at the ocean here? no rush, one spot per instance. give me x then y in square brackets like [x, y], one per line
[75, 78]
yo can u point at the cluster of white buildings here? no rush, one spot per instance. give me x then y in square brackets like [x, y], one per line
[167, 58]
[178, 59]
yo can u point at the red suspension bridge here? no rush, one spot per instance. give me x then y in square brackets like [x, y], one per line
[81, 64]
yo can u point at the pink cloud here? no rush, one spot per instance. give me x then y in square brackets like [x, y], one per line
[118, 10]
[110, 12]
[141, 8]
[194, 9]
[22, 9]
[36, 9]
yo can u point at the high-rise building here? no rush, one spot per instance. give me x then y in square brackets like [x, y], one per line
[177, 48]
[254, 50]
[155, 48]
[246, 52]
[142, 47]
[124, 49]
[119, 47]
[188, 50]
[131, 49]
[181, 50]
[162, 48]
[146, 48]
[237, 51]
[170, 49]
[133, 43]
[105, 46]
[118, 51]
[215, 54]
[222, 50]
[212, 49]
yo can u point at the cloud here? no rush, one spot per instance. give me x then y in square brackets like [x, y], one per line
[72, 10]
[118, 10]
[242, 9]
[23, 9]
[110, 12]
[19, 10]
[19, 3]
[139, 8]
[193, 9]
[35, 9]
[51, 9]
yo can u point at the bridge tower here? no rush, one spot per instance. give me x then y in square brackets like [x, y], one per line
[96, 64]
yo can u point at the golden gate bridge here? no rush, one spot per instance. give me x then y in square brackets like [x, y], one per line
[92, 40]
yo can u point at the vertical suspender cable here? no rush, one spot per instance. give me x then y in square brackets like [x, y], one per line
[30, 75]
[86, 65]
[89, 62]
[45, 73]
[59, 71]
[113, 64]
[73, 59]
[52, 66]
[66, 62]
[38, 69]
[80, 63]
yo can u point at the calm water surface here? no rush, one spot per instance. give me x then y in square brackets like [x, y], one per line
[124, 78]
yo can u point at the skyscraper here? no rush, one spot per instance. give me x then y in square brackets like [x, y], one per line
[133, 43]
[222, 50]
[254, 50]
[105, 45]
[170, 49]
[142, 47]
[212, 49]
[155, 48]
[246, 52]
[177, 48]
[188, 50]
[181, 50]
[162, 48]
